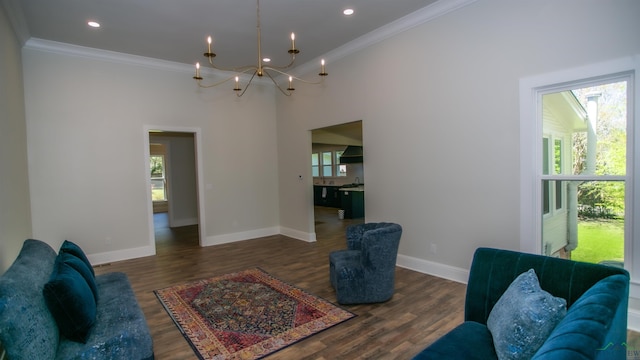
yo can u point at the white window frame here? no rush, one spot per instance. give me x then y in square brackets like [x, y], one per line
[531, 91]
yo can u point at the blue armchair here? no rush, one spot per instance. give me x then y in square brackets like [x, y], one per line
[365, 272]
[595, 324]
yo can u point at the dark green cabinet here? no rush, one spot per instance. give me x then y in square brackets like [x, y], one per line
[326, 196]
[352, 204]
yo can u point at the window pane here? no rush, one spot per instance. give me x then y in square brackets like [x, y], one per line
[559, 195]
[158, 184]
[157, 165]
[327, 159]
[315, 165]
[601, 147]
[595, 231]
[342, 170]
[545, 156]
[545, 197]
[557, 156]
[326, 170]
[157, 190]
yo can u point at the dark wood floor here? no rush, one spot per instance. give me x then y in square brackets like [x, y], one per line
[423, 308]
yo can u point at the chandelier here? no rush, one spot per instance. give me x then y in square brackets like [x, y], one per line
[261, 69]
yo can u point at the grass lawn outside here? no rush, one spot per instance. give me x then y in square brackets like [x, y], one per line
[600, 240]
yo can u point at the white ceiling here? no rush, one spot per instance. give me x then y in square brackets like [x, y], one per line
[176, 30]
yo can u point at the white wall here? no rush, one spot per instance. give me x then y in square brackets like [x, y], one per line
[440, 112]
[78, 107]
[15, 216]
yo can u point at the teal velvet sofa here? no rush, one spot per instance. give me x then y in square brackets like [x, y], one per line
[595, 324]
[29, 330]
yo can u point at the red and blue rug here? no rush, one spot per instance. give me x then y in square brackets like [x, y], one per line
[246, 315]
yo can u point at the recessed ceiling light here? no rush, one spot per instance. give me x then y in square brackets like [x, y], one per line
[348, 12]
[93, 24]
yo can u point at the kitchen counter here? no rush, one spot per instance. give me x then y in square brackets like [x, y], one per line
[352, 188]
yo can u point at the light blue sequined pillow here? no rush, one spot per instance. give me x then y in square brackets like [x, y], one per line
[523, 318]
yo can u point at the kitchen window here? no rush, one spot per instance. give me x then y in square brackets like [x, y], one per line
[327, 164]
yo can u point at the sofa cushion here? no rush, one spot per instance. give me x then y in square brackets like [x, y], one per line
[581, 334]
[27, 329]
[468, 341]
[120, 331]
[71, 302]
[75, 250]
[80, 266]
[523, 318]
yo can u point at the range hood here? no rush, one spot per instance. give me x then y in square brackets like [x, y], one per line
[351, 155]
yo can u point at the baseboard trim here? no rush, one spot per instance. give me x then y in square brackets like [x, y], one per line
[633, 320]
[433, 268]
[296, 234]
[240, 236]
[185, 222]
[119, 255]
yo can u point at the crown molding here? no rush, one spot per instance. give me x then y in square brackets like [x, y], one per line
[405, 23]
[396, 27]
[104, 55]
[16, 19]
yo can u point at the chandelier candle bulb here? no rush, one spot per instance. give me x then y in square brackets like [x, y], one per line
[293, 41]
[209, 45]
[197, 70]
[290, 84]
[237, 88]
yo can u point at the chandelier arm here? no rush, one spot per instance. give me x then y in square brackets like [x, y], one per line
[234, 69]
[239, 94]
[286, 93]
[290, 64]
[199, 81]
[295, 77]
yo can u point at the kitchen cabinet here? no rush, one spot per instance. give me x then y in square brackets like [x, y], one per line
[331, 196]
[352, 203]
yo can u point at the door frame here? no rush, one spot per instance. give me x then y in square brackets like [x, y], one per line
[197, 136]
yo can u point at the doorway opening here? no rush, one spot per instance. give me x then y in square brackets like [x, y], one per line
[173, 177]
[338, 177]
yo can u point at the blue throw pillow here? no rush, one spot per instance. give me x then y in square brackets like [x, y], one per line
[70, 302]
[75, 250]
[523, 318]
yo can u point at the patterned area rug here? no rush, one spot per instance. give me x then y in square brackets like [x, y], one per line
[246, 315]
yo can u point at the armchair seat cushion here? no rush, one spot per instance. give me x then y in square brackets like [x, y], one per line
[468, 341]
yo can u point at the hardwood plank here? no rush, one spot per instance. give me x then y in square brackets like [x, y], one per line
[423, 308]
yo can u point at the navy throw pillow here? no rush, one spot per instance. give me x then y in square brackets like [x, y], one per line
[75, 250]
[70, 302]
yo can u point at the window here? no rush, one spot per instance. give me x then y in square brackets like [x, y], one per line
[327, 164]
[315, 165]
[158, 180]
[576, 166]
[340, 170]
